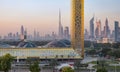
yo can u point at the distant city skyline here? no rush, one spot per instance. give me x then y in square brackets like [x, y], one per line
[102, 9]
[43, 15]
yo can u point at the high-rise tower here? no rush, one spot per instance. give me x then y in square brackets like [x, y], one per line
[106, 29]
[60, 33]
[66, 32]
[78, 26]
[92, 28]
[25, 34]
[35, 35]
[22, 33]
[22, 30]
[98, 29]
[116, 31]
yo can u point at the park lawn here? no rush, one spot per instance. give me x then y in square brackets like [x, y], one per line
[108, 62]
[109, 67]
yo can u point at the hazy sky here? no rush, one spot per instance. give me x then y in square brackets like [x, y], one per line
[42, 15]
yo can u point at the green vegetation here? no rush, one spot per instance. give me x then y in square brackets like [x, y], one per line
[78, 66]
[5, 62]
[104, 52]
[35, 67]
[67, 69]
[53, 63]
[101, 70]
[108, 67]
[108, 62]
[87, 44]
[103, 66]
[33, 64]
[91, 52]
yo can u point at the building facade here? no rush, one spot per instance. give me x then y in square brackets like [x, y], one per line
[117, 32]
[98, 30]
[78, 26]
[106, 29]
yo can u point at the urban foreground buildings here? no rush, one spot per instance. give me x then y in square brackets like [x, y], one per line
[75, 52]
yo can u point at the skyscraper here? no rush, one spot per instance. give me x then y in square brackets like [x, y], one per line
[25, 34]
[66, 32]
[86, 35]
[35, 35]
[106, 29]
[78, 26]
[92, 28]
[98, 29]
[60, 33]
[53, 35]
[22, 30]
[17, 36]
[116, 30]
[38, 35]
[113, 35]
[22, 33]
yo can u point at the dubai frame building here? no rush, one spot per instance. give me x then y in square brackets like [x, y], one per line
[78, 26]
[77, 49]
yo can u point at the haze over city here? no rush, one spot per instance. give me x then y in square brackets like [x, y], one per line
[43, 15]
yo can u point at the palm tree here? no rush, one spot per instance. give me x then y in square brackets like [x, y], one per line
[56, 56]
[68, 57]
[62, 57]
[46, 59]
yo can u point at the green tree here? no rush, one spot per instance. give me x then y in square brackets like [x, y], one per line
[91, 52]
[53, 63]
[105, 51]
[67, 69]
[101, 70]
[101, 66]
[33, 64]
[35, 67]
[5, 62]
[77, 65]
[116, 53]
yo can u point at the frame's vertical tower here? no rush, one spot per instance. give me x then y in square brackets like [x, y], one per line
[78, 26]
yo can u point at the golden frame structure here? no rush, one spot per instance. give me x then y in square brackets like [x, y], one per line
[78, 26]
